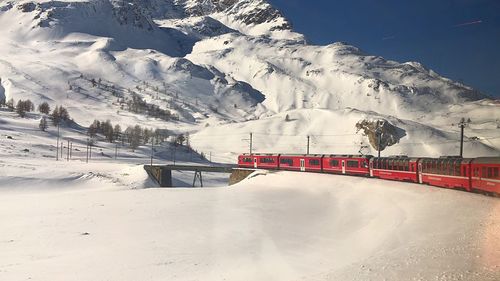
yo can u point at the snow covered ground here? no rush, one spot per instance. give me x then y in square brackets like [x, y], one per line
[226, 69]
[274, 226]
[104, 220]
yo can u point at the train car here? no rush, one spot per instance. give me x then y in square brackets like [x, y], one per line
[347, 164]
[259, 161]
[400, 168]
[448, 172]
[301, 162]
[486, 175]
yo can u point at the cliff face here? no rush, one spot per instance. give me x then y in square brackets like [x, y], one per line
[380, 132]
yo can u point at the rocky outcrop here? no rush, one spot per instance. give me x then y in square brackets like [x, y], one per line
[388, 133]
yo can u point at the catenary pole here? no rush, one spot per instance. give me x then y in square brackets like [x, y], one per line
[308, 141]
[57, 146]
[251, 142]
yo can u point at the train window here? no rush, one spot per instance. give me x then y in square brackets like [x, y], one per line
[457, 168]
[352, 164]
[314, 162]
[247, 160]
[287, 161]
[484, 172]
[334, 163]
[492, 173]
[266, 160]
[476, 172]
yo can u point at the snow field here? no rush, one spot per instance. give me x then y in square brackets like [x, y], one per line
[279, 226]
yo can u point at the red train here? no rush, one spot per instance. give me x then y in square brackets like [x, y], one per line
[470, 174]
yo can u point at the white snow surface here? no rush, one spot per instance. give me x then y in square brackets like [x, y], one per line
[273, 226]
[106, 220]
[226, 75]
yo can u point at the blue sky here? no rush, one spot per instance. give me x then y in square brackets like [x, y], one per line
[459, 39]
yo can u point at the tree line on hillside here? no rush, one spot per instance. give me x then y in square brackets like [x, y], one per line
[22, 107]
[133, 136]
[137, 105]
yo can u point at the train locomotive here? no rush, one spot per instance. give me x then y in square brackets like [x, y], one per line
[481, 175]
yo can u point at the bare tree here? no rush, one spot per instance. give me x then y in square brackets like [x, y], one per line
[44, 108]
[10, 104]
[20, 108]
[43, 124]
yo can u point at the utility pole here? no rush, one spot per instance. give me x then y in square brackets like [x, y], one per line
[87, 154]
[379, 138]
[67, 156]
[379, 142]
[462, 125]
[62, 146]
[57, 146]
[308, 138]
[152, 151]
[175, 147]
[251, 142]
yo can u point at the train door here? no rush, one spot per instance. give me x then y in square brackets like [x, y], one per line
[419, 172]
[302, 165]
[255, 162]
[343, 166]
[371, 169]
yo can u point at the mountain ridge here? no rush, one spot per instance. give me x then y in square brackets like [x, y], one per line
[211, 66]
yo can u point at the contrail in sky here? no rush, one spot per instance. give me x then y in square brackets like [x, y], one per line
[469, 23]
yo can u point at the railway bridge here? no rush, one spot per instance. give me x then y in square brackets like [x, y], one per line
[162, 174]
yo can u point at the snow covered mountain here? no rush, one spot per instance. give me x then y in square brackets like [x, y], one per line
[227, 68]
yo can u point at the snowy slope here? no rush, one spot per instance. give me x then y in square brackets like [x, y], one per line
[280, 226]
[229, 66]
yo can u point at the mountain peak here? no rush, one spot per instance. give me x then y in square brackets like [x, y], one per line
[252, 17]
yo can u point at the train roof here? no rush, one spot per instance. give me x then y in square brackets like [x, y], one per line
[349, 155]
[398, 158]
[260, 154]
[303, 155]
[453, 158]
[487, 160]
[308, 155]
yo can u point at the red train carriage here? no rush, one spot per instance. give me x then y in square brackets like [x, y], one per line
[262, 161]
[301, 162]
[486, 175]
[346, 164]
[394, 168]
[449, 172]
